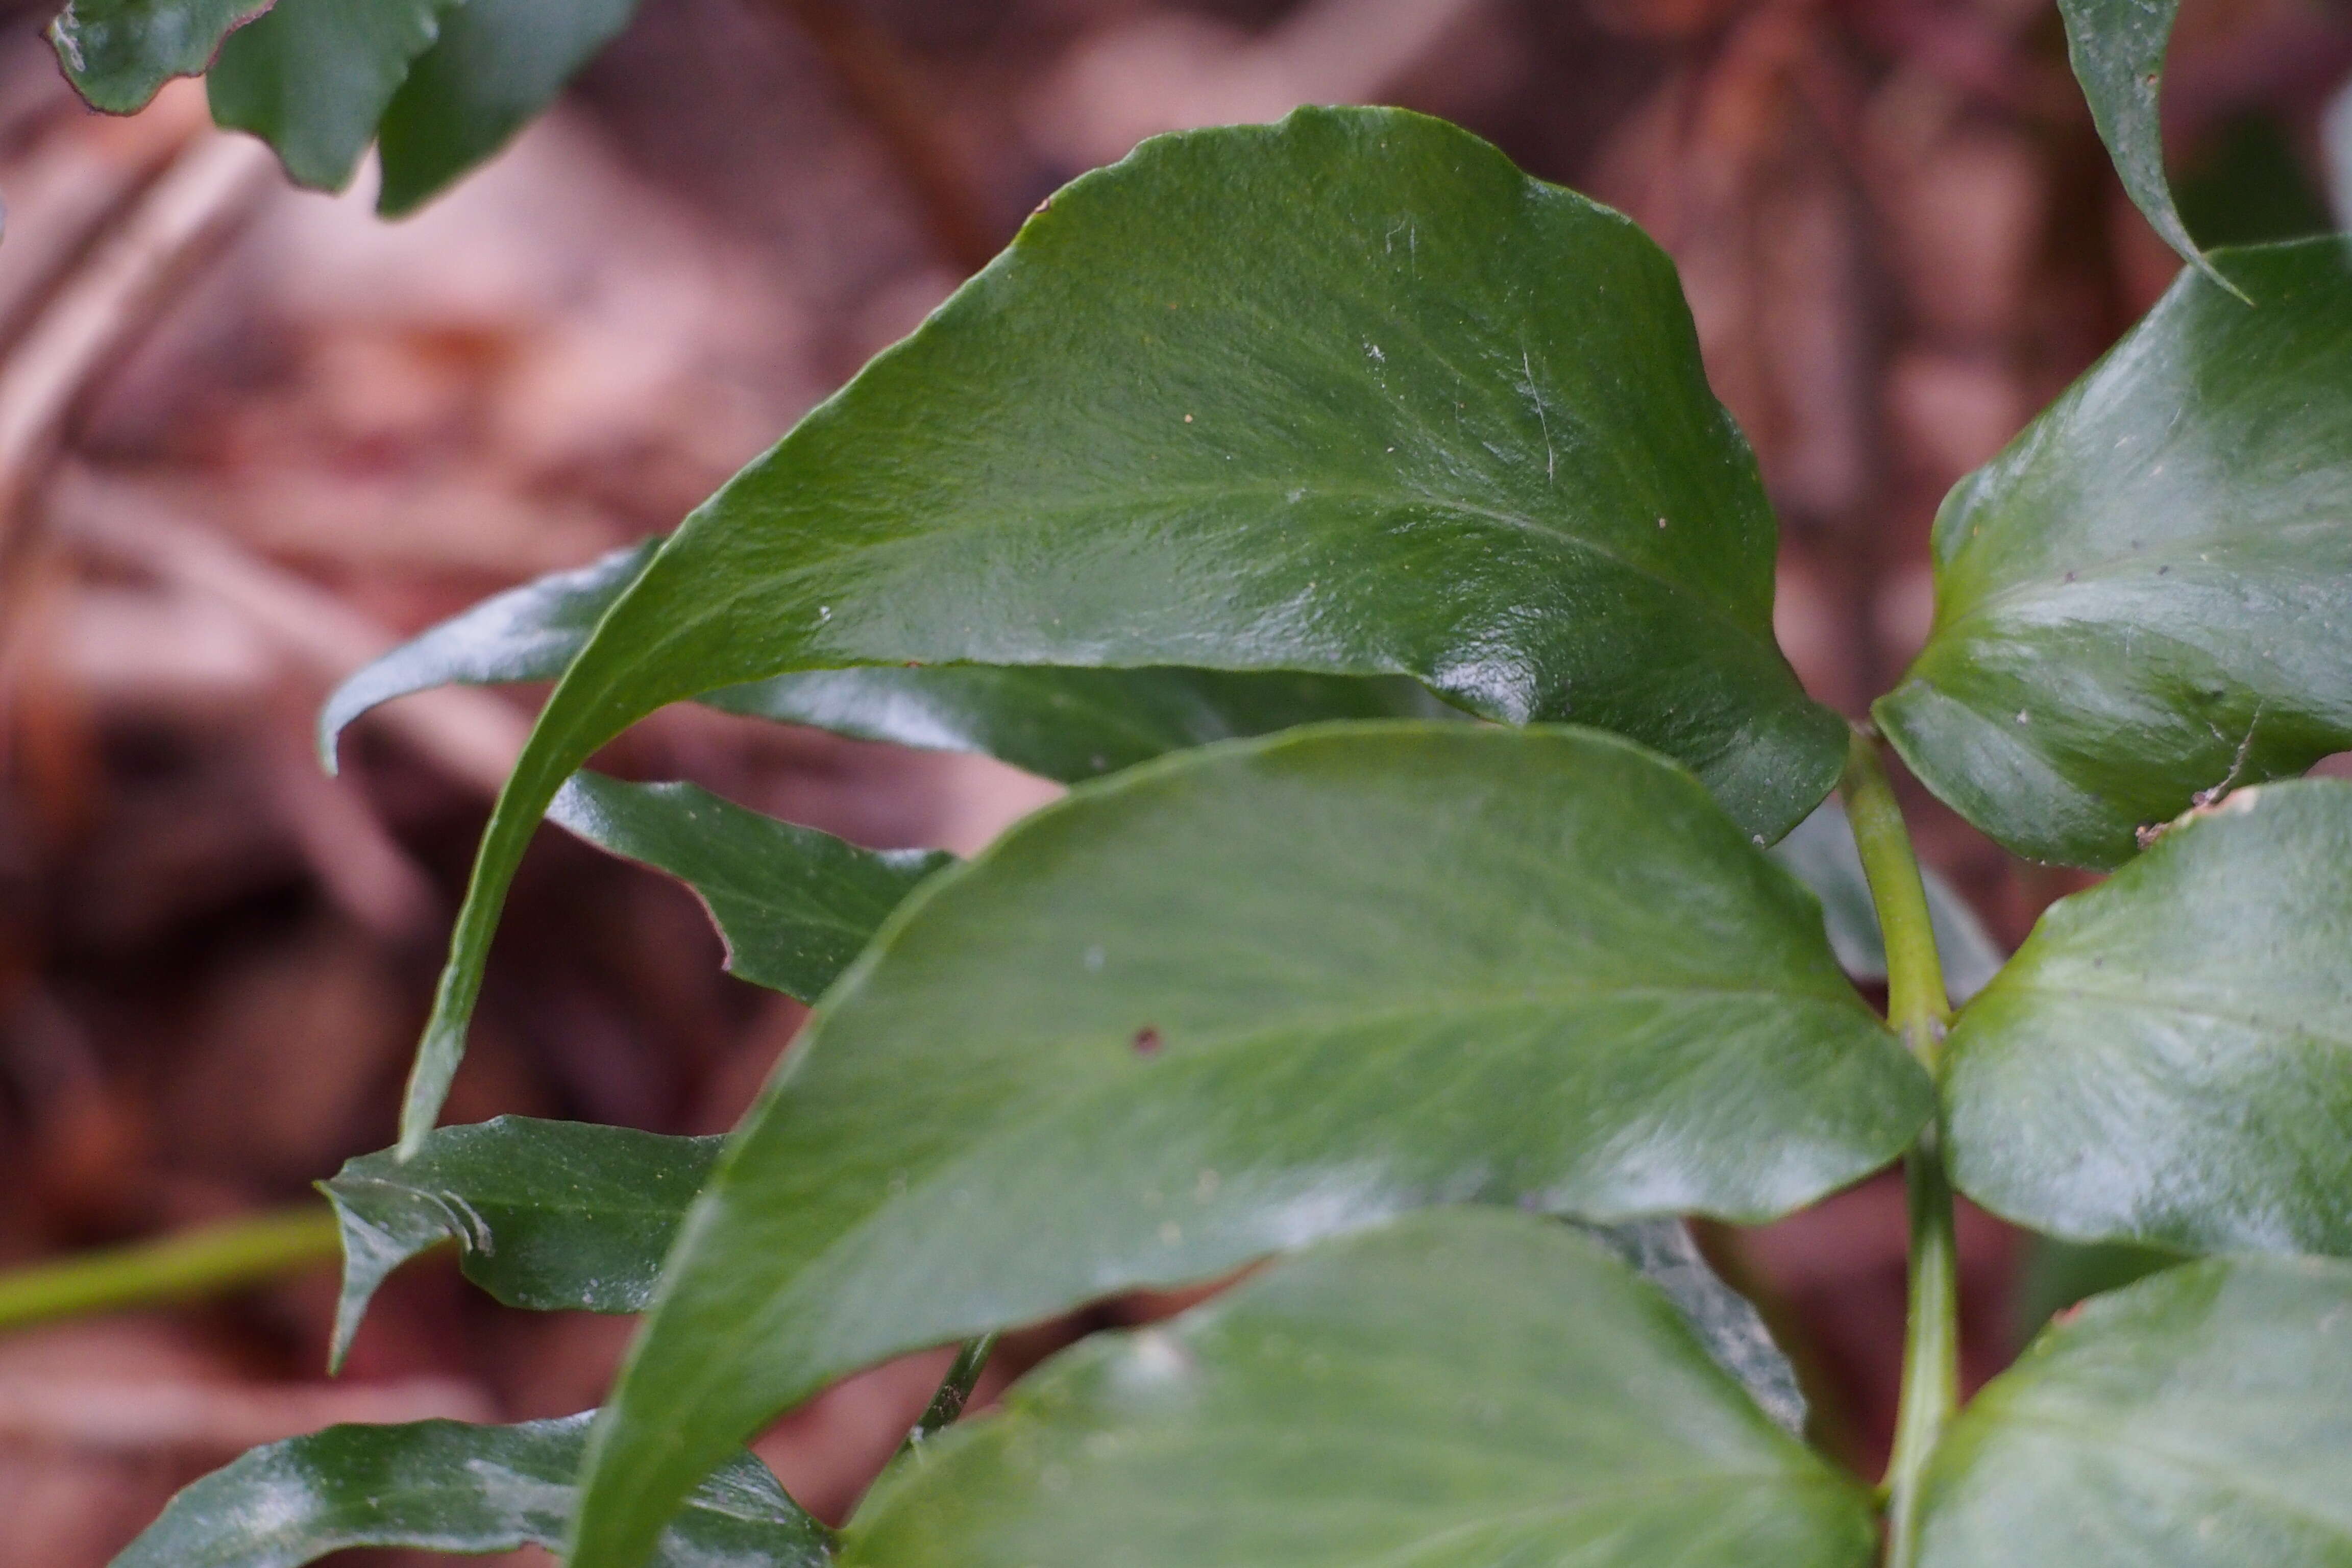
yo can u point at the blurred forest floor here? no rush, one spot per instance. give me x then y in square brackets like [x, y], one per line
[1897, 230]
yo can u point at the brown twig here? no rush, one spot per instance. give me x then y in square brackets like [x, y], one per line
[105, 309]
[472, 735]
[66, 194]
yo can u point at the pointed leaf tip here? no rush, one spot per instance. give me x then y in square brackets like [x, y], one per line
[2118, 49]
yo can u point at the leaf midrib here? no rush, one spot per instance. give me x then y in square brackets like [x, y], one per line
[1710, 607]
[1717, 608]
[757, 1325]
[1333, 1021]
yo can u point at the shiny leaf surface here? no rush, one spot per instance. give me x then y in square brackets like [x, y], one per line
[2117, 48]
[312, 77]
[1463, 1388]
[444, 1486]
[1230, 1002]
[1063, 724]
[528, 633]
[2201, 1418]
[2148, 597]
[1348, 395]
[118, 53]
[1820, 852]
[566, 1217]
[794, 905]
[552, 1215]
[2164, 1061]
[496, 64]
[1070, 725]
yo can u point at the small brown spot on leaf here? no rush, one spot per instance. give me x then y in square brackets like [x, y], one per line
[1147, 1041]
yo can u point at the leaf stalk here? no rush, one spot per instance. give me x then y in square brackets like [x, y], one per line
[1920, 1010]
[198, 1263]
[955, 1390]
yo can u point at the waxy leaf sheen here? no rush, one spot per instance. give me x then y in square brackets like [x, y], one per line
[1061, 724]
[2146, 599]
[445, 1486]
[1469, 1388]
[531, 632]
[551, 1215]
[2201, 1418]
[1348, 395]
[2169, 1058]
[794, 905]
[1070, 724]
[1230, 1002]
[2117, 48]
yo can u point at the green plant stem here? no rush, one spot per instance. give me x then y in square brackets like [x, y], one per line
[175, 1268]
[955, 1388]
[1918, 1009]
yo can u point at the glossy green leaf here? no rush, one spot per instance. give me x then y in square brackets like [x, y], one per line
[2164, 1061]
[567, 1216]
[118, 53]
[1245, 996]
[444, 1486]
[1348, 395]
[551, 1215]
[1063, 724]
[1821, 853]
[1461, 1388]
[312, 77]
[2201, 1418]
[2148, 597]
[2118, 49]
[794, 905]
[528, 633]
[496, 64]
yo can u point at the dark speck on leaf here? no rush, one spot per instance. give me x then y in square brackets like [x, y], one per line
[1147, 1041]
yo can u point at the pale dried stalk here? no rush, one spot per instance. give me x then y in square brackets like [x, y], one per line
[207, 1419]
[473, 736]
[99, 313]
